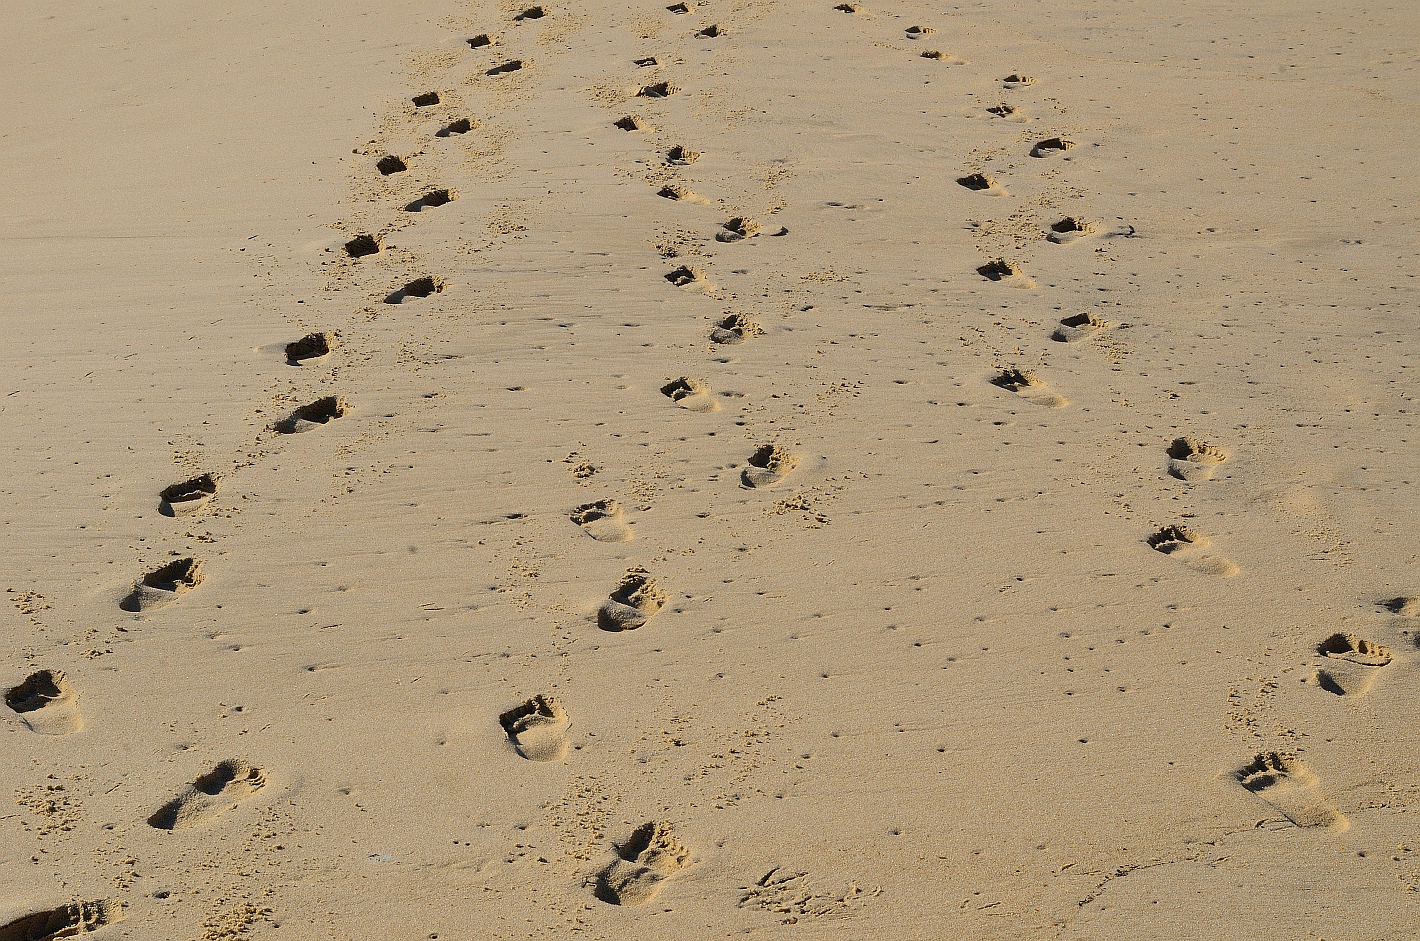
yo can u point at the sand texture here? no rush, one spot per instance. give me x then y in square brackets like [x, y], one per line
[723, 469]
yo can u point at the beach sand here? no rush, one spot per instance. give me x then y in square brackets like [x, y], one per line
[733, 526]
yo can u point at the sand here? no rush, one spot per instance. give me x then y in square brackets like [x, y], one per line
[730, 526]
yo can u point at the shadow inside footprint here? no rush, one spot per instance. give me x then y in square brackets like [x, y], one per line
[189, 496]
[537, 729]
[481, 40]
[603, 520]
[311, 347]
[1193, 461]
[216, 792]
[46, 702]
[391, 164]
[768, 466]
[631, 123]
[431, 199]
[66, 921]
[652, 855]
[362, 245]
[999, 270]
[163, 585]
[1289, 786]
[461, 126]
[682, 155]
[512, 65]
[634, 602]
[320, 412]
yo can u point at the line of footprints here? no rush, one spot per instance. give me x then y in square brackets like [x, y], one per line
[537, 729]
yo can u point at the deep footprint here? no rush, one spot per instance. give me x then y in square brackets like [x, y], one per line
[538, 729]
[390, 164]
[738, 228]
[1029, 386]
[1359, 666]
[1188, 545]
[634, 602]
[362, 245]
[736, 328]
[768, 466]
[309, 348]
[604, 521]
[163, 585]
[431, 199]
[644, 862]
[189, 496]
[66, 921]
[47, 703]
[1289, 786]
[1079, 327]
[1193, 460]
[1070, 229]
[691, 394]
[419, 287]
[320, 412]
[213, 794]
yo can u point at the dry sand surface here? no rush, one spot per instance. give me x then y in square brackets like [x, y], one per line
[744, 468]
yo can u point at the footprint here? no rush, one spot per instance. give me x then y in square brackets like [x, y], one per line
[66, 921]
[481, 40]
[512, 65]
[1069, 229]
[390, 164]
[419, 287]
[362, 245]
[1029, 386]
[311, 347]
[603, 520]
[1289, 786]
[982, 183]
[682, 156]
[1359, 666]
[652, 855]
[538, 729]
[1001, 270]
[687, 277]
[736, 328]
[1193, 460]
[189, 496]
[163, 585]
[1051, 146]
[634, 602]
[848, 8]
[681, 194]
[431, 199]
[712, 31]
[213, 794]
[767, 467]
[1188, 544]
[1003, 110]
[1016, 80]
[426, 99]
[946, 57]
[917, 32]
[680, 8]
[690, 393]
[738, 228]
[531, 13]
[1406, 607]
[659, 90]
[631, 123]
[647, 62]
[461, 126]
[320, 412]
[1079, 327]
[48, 705]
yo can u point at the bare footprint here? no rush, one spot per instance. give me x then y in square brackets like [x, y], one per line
[1016, 80]
[634, 602]
[604, 521]
[1189, 545]
[1070, 229]
[1009, 112]
[419, 287]
[692, 279]
[481, 40]
[981, 183]
[47, 703]
[390, 164]
[631, 123]
[310, 348]
[66, 921]
[320, 412]
[1406, 607]
[768, 466]
[1193, 460]
[1289, 786]
[1051, 146]
[682, 194]
[163, 585]
[644, 862]
[1079, 327]
[531, 13]
[658, 90]
[1006, 272]
[1029, 386]
[738, 228]
[736, 328]
[461, 126]
[1358, 667]
[681, 155]
[946, 57]
[917, 32]
[362, 245]
[189, 496]
[213, 794]
[504, 68]
[426, 99]
[713, 31]
[538, 729]
[431, 199]
[690, 393]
